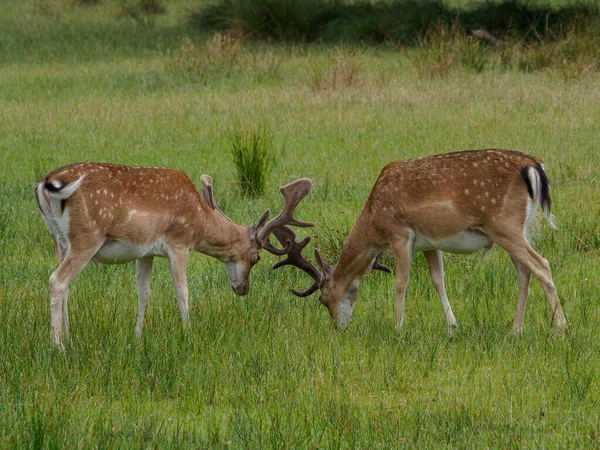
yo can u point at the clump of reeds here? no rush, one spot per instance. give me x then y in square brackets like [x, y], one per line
[253, 157]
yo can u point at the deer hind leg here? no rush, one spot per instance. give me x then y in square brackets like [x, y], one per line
[543, 275]
[519, 250]
[144, 272]
[177, 264]
[402, 254]
[436, 271]
[74, 261]
[524, 277]
[61, 252]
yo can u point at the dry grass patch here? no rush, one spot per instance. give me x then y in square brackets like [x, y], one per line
[220, 53]
[341, 72]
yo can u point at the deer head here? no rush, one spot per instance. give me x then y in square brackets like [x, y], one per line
[339, 302]
[240, 258]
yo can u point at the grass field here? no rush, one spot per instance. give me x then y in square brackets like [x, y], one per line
[268, 370]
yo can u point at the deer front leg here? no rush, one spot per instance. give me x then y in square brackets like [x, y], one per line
[402, 255]
[436, 271]
[177, 264]
[144, 272]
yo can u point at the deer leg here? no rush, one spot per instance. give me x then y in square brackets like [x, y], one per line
[402, 255]
[520, 250]
[541, 271]
[73, 263]
[524, 277]
[144, 271]
[177, 264]
[61, 252]
[436, 271]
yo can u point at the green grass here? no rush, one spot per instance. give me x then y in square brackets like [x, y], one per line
[253, 158]
[267, 370]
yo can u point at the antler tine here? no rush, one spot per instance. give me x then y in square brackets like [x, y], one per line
[276, 251]
[378, 266]
[286, 236]
[293, 193]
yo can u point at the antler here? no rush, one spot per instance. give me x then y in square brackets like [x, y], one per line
[287, 237]
[378, 266]
[293, 194]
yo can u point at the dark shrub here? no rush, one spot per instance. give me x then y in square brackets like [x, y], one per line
[399, 21]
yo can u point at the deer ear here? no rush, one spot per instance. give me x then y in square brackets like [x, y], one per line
[258, 226]
[207, 194]
[325, 268]
[207, 191]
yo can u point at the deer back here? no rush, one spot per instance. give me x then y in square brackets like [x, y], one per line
[136, 204]
[443, 195]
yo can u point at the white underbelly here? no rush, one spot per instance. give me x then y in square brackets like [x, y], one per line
[120, 252]
[465, 242]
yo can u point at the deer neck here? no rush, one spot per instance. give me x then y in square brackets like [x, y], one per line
[356, 257]
[218, 236]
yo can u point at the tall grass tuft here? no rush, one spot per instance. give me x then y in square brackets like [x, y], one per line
[253, 158]
[473, 54]
[218, 56]
[342, 72]
[330, 238]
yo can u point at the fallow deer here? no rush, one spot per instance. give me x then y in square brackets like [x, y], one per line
[457, 202]
[114, 214]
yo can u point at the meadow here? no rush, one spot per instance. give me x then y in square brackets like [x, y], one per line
[268, 370]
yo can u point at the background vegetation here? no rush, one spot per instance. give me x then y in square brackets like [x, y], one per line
[399, 21]
[90, 83]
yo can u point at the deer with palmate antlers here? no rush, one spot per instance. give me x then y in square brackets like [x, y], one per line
[457, 202]
[114, 214]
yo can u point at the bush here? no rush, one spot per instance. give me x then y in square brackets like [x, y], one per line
[289, 20]
[253, 159]
[398, 21]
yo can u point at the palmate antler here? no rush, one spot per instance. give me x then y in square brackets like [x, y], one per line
[293, 194]
[287, 237]
[378, 266]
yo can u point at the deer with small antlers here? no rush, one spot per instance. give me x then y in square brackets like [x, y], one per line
[457, 202]
[114, 214]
